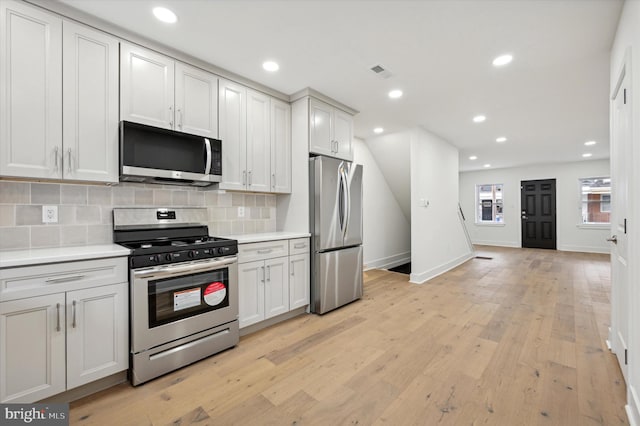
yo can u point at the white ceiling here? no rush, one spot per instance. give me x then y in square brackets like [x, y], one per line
[548, 102]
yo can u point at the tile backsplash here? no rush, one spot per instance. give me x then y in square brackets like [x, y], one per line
[85, 211]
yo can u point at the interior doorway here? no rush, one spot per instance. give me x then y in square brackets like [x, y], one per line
[538, 213]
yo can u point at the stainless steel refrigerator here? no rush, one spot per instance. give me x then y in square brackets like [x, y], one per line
[336, 232]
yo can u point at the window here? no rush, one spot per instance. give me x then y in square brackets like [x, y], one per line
[489, 204]
[595, 199]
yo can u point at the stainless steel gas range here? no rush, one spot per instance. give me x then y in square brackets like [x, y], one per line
[183, 288]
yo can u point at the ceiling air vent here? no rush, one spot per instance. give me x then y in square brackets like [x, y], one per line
[380, 71]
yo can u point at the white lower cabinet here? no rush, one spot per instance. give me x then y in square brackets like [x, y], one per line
[273, 279]
[75, 335]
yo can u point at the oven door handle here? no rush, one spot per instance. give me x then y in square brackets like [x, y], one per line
[165, 271]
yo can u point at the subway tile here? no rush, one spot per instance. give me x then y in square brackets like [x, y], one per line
[73, 194]
[15, 193]
[123, 196]
[179, 198]
[250, 226]
[196, 198]
[100, 195]
[45, 193]
[45, 236]
[232, 213]
[260, 226]
[270, 200]
[143, 197]
[217, 213]
[99, 234]
[260, 200]
[106, 213]
[7, 215]
[265, 213]
[249, 200]
[14, 238]
[66, 215]
[28, 215]
[223, 228]
[75, 235]
[210, 198]
[162, 197]
[237, 227]
[237, 199]
[88, 215]
[224, 199]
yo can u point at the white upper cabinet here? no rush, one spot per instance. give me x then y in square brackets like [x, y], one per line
[330, 130]
[196, 101]
[30, 91]
[233, 133]
[90, 105]
[43, 134]
[280, 146]
[147, 87]
[158, 91]
[258, 141]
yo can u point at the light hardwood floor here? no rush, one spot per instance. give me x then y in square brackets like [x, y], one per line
[515, 340]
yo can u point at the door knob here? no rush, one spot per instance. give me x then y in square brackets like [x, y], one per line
[613, 239]
[525, 217]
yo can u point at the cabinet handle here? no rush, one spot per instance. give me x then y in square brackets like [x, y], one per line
[292, 269]
[171, 117]
[244, 177]
[180, 116]
[63, 279]
[300, 245]
[337, 147]
[273, 180]
[264, 251]
[73, 316]
[58, 320]
[268, 273]
[69, 165]
[262, 267]
[55, 158]
[250, 178]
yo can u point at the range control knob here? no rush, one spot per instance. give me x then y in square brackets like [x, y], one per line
[220, 250]
[191, 254]
[168, 257]
[157, 258]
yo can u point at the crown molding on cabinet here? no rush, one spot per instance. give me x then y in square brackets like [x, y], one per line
[326, 99]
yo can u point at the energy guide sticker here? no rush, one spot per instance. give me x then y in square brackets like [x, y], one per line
[186, 299]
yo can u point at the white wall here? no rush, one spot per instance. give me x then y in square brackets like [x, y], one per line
[627, 41]
[569, 236]
[438, 242]
[386, 231]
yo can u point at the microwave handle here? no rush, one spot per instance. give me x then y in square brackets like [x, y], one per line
[207, 167]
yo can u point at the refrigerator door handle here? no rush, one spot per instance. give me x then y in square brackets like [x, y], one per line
[341, 200]
[347, 197]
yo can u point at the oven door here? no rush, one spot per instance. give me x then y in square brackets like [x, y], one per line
[175, 301]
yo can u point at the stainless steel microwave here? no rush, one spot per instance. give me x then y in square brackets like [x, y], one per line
[152, 154]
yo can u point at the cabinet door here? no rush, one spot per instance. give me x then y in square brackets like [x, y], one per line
[258, 142]
[196, 101]
[276, 287]
[32, 348]
[30, 92]
[280, 146]
[233, 133]
[343, 134]
[97, 333]
[299, 267]
[320, 137]
[251, 292]
[90, 108]
[146, 87]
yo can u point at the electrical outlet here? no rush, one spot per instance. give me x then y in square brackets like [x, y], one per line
[241, 211]
[49, 214]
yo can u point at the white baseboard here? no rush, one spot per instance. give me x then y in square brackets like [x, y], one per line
[633, 407]
[585, 249]
[497, 243]
[438, 270]
[389, 261]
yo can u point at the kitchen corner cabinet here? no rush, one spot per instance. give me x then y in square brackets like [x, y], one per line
[44, 135]
[330, 130]
[273, 278]
[255, 130]
[74, 334]
[159, 91]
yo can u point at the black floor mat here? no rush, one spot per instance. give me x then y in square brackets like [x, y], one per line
[403, 269]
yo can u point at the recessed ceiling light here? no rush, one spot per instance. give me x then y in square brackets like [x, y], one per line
[479, 118]
[270, 66]
[501, 139]
[587, 154]
[165, 15]
[502, 60]
[487, 165]
[395, 94]
[590, 143]
[473, 157]
[378, 130]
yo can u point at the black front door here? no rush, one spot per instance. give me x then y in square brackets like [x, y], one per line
[538, 200]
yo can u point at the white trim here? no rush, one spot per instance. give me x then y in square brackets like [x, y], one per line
[497, 243]
[633, 407]
[389, 261]
[490, 224]
[605, 226]
[585, 249]
[438, 270]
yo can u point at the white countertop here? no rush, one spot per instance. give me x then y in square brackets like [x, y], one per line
[11, 258]
[267, 236]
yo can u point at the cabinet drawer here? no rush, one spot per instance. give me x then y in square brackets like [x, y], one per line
[260, 251]
[299, 246]
[16, 283]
